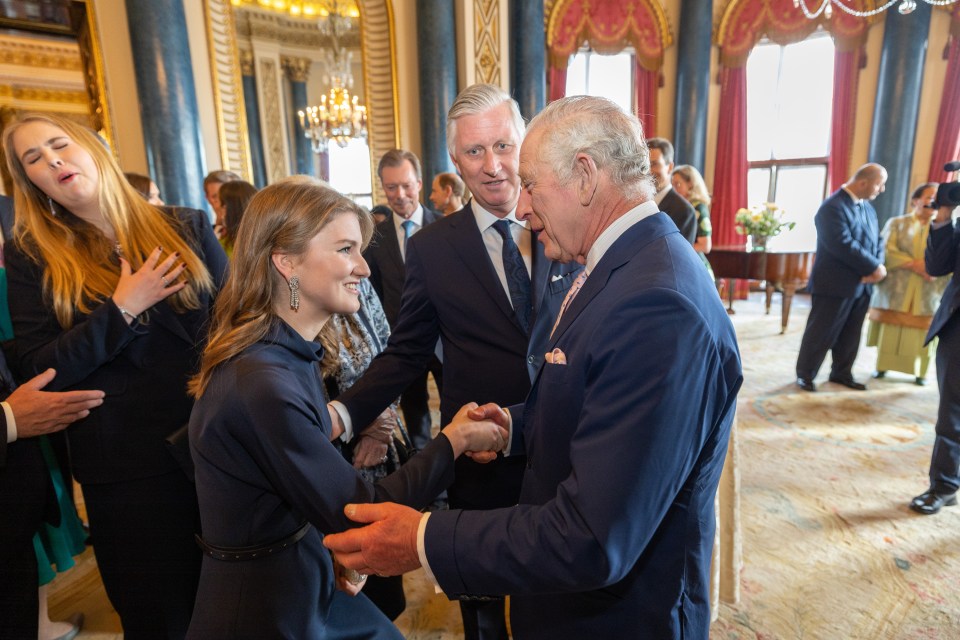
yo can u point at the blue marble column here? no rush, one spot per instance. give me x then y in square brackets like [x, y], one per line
[897, 106]
[251, 107]
[168, 99]
[437, 64]
[528, 57]
[297, 70]
[693, 82]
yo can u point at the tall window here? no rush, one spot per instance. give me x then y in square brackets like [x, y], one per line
[593, 74]
[789, 96]
[350, 171]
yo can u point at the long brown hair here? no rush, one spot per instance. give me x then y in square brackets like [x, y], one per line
[78, 272]
[281, 218]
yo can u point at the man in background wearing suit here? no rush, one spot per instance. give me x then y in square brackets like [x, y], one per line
[613, 534]
[447, 193]
[670, 202]
[479, 281]
[849, 261]
[400, 176]
[25, 488]
[943, 257]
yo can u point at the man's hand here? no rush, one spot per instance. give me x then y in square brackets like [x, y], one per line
[386, 547]
[878, 274]
[944, 214]
[39, 412]
[466, 434]
[496, 414]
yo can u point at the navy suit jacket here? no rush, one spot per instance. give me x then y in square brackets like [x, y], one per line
[942, 258]
[387, 272]
[625, 443]
[142, 368]
[452, 293]
[848, 247]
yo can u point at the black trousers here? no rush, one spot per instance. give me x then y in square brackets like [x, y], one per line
[19, 581]
[835, 325]
[142, 533]
[945, 461]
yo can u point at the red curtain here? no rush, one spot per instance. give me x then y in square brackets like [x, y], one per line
[946, 146]
[730, 176]
[846, 75]
[556, 82]
[646, 84]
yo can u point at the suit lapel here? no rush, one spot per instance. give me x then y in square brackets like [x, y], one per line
[165, 316]
[391, 244]
[468, 242]
[631, 242]
[541, 273]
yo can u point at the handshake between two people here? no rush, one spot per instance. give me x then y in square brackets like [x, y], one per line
[387, 546]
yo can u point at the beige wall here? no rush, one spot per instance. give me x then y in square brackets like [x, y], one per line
[121, 89]
[408, 76]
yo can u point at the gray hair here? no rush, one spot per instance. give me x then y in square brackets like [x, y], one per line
[476, 99]
[600, 129]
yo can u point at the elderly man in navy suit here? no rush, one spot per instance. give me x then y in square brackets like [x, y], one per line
[849, 261]
[25, 488]
[613, 532]
[943, 257]
[478, 280]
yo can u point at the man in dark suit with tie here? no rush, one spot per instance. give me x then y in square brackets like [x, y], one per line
[849, 261]
[25, 488]
[625, 427]
[400, 175]
[479, 281]
[670, 202]
[943, 257]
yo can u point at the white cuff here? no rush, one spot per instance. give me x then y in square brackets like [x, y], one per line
[422, 551]
[341, 410]
[11, 423]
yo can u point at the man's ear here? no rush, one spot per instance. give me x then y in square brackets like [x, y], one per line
[587, 176]
[457, 166]
[283, 262]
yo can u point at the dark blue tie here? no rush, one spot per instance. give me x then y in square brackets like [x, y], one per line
[518, 280]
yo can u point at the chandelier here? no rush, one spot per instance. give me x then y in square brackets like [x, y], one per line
[826, 7]
[339, 117]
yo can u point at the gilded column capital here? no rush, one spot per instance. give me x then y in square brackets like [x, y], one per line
[296, 69]
[246, 62]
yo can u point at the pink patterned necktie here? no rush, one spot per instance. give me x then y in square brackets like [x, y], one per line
[571, 294]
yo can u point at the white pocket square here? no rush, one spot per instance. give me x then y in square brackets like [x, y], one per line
[559, 276]
[555, 357]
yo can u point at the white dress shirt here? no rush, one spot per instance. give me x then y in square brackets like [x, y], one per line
[417, 218]
[11, 423]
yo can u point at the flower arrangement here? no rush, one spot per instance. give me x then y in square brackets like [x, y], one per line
[762, 221]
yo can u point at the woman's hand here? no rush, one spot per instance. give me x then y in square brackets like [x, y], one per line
[348, 580]
[369, 452]
[467, 434]
[139, 290]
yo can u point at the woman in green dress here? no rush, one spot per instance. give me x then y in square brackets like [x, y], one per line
[904, 302]
[688, 182]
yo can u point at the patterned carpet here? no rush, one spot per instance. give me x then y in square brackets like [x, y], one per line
[830, 549]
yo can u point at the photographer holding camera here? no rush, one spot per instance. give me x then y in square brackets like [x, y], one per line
[943, 257]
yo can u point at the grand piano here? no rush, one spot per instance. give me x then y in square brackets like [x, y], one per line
[784, 270]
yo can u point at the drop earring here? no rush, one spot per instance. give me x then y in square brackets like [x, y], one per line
[294, 285]
[53, 210]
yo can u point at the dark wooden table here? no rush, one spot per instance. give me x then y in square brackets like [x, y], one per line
[782, 270]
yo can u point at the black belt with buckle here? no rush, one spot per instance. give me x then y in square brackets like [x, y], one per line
[238, 554]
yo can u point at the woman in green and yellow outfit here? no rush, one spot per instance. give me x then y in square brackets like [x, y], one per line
[904, 302]
[688, 182]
